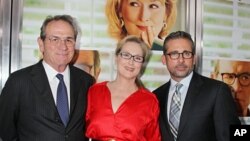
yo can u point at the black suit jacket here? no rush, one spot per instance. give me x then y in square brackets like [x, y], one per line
[207, 113]
[28, 111]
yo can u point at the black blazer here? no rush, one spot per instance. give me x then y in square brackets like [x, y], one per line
[207, 113]
[28, 111]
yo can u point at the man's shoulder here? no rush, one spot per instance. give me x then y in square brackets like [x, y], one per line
[81, 75]
[207, 79]
[78, 72]
[162, 88]
[26, 70]
[210, 83]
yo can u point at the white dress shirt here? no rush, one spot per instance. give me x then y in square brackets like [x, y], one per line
[185, 82]
[54, 81]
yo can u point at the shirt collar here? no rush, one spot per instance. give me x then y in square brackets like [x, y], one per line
[185, 81]
[51, 72]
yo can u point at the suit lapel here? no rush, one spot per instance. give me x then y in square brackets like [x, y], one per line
[163, 98]
[74, 89]
[40, 80]
[192, 93]
[77, 91]
[166, 105]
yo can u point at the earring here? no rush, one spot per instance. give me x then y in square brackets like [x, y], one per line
[164, 24]
[122, 22]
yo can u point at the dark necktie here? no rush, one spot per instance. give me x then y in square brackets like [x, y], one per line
[174, 116]
[62, 100]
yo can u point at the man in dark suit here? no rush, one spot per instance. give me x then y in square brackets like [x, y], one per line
[29, 102]
[202, 109]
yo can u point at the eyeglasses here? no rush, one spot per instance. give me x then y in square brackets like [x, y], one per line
[68, 41]
[128, 56]
[229, 78]
[176, 55]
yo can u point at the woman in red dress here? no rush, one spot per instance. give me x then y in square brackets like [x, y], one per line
[122, 109]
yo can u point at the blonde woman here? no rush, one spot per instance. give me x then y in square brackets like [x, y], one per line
[147, 19]
[122, 109]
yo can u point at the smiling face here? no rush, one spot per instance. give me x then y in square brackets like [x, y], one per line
[57, 55]
[181, 67]
[139, 14]
[128, 68]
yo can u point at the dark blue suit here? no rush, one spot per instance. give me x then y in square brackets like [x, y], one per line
[28, 111]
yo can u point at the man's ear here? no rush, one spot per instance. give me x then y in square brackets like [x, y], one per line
[41, 44]
[163, 59]
[194, 59]
[41, 47]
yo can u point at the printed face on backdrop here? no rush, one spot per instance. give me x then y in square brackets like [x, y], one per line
[86, 61]
[144, 18]
[237, 75]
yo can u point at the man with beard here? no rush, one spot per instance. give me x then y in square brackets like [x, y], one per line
[192, 107]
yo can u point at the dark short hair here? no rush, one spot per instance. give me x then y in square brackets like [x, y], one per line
[178, 35]
[67, 18]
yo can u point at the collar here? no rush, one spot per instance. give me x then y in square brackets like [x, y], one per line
[51, 72]
[185, 81]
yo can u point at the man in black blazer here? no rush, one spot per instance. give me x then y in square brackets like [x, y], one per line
[28, 102]
[207, 108]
